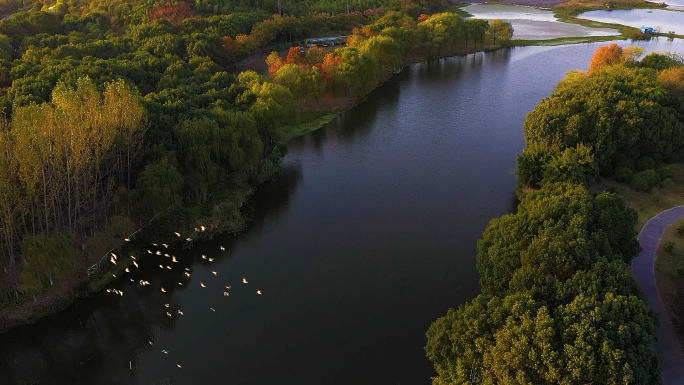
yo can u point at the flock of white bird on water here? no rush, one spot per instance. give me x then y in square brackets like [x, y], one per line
[113, 259]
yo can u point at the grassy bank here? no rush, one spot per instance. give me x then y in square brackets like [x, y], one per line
[669, 270]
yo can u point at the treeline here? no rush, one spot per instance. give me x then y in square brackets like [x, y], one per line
[378, 49]
[557, 304]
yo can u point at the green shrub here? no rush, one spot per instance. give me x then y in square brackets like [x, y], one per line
[680, 272]
[624, 174]
[644, 163]
[669, 246]
[665, 173]
[668, 183]
[680, 229]
[645, 180]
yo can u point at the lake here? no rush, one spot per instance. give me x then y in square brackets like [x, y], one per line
[637, 18]
[368, 235]
[532, 23]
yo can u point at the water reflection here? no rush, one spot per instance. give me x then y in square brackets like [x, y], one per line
[534, 23]
[366, 238]
[637, 18]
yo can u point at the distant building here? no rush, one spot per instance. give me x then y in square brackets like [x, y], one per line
[646, 30]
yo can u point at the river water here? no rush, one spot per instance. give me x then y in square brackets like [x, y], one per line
[534, 23]
[366, 238]
[664, 20]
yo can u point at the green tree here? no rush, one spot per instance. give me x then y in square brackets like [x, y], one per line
[45, 259]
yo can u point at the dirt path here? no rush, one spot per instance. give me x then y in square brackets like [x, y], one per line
[643, 271]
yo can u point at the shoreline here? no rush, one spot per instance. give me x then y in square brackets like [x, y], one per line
[64, 293]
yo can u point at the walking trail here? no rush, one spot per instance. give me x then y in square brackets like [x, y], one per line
[643, 271]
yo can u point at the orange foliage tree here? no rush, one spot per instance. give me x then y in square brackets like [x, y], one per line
[175, 14]
[606, 55]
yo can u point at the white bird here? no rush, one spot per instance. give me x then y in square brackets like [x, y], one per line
[167, 305]
[168, 314]
[158, 252]
[114, 255]
[244, 280]
[135, 263]
[166, 255]
[128, 270]
[149, 251]
[179, 366]
[134, 258]
[173, 259]
[180, 284]
[211, 259]
[127, 240]
[168, 267]
[215, 273]
[150, 342]
[228, 287]
[161, 266]
[226, 294]
[114, 275]
[163, 291]
[180, 312]
[258, 291]
[154, 244]
[187, 269]
[177, 234]
[187, 274]
[109, 290]
[202, 284]
[202, 228]
[165, 351]
[132, 280]
[112, 260]
[121, 293]
[212, 309]
[188, 239]
[165, 245]
[223, 248]
[204, 256]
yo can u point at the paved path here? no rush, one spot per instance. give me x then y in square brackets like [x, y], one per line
[643, 271]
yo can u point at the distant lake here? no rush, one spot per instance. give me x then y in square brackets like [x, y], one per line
[637, 18]
[532, 23]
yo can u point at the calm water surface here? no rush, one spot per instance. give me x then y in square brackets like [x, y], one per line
[637, 18]
[534, 23]
[366, 238]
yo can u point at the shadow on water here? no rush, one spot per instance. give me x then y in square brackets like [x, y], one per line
[107, 332]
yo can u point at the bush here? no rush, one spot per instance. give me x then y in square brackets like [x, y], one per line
[668, 183]
[624, 174]
[645, 180]
[665, 173]
[680, 229]
[680, 272]
[669, 246]
[644, 163]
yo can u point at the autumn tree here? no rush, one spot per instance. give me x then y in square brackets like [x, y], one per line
[606, 55]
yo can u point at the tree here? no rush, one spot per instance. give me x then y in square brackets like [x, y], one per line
[606, 55]
[314, 84]
[290, 76]
[161, 185]
[500, 30]
[633, 53]
[672, 79]
[46, 259]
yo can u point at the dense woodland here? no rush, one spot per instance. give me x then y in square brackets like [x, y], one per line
[558, 305]
[117, 112]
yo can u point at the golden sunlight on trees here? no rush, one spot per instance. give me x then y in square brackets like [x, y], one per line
[605, 55]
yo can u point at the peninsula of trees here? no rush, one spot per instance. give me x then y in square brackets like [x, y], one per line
[558, 305]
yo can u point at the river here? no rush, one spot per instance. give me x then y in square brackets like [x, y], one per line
[366, 238]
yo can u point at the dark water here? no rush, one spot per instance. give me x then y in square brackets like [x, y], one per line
[367, 237]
